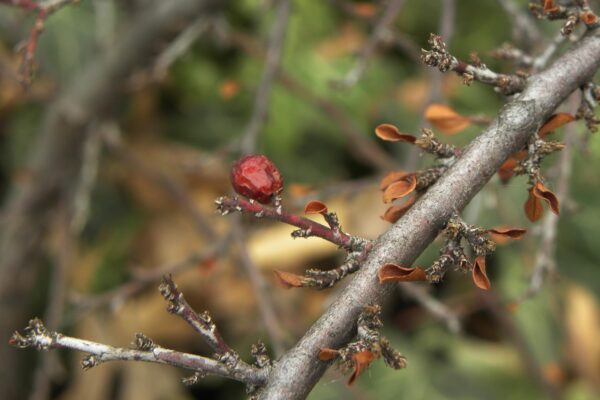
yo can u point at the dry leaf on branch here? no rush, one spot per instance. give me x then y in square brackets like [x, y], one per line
[446, 119]
[393, 272]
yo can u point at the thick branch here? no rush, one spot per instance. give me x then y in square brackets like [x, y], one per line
[298, 371]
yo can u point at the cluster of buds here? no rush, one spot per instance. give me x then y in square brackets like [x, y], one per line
[400, 184]
[574, 13]
[481, 242]
[368, 346]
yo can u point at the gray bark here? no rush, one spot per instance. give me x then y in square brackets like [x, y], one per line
[298, 371]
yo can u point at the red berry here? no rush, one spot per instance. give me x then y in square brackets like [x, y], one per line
[256, 177]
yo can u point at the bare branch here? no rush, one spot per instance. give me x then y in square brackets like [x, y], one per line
[273, 59]
[202, 323]
[300, 369]
[439, 57]
[38, 337]
[382, 29]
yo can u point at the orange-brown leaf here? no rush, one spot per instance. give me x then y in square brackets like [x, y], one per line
[588, 18]
[361, 360]
[446, 119]
[289, 280]
[394, 213]
[542, 192]
[549, 6]
[315, 207]
[479, 275]
[533, 207]
[555, 121]
[390, 133]
[507, 233]
[229, 88]
[326, 354]
[392, 177]
[506, 170]
[364, 9]
[400, 189]
[393, 272]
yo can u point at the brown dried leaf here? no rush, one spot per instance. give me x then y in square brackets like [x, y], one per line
[289, 280]
[542, 192]
[392, 177]
[446, 119]
[393, 272]
[479, 275]
[533, 207]
[326, 354]
[400, 189]
[361, 362]
[549, 6]
[506, 170]
[364, 9]
[588, 18]
[390, 133]
[315, 207]
[555, 121]
[394, 213]
[507, 233]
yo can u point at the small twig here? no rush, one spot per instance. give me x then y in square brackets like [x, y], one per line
[44, 9]
[202, 323]
[179, 47]
[382, 29]
[38, 337]
[523, 24]
[439, 57]
[307, 227]
[435, 307]
[273, 59]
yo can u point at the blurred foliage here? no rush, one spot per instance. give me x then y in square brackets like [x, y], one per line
[188, 109]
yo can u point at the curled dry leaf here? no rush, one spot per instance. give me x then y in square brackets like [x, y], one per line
[315, 207]
[393, 272]
[390, 133]
[326, 354]
[498, 234]
[399, 189]
[506, 170]
[394, 213]
[392, 177]
[289, 280]
[542, 192]
[549, 6]
[446, 119]
[555, 121]
[588, 18]
[361, 360]
[533, 207]
[479, 275]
